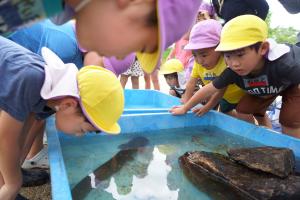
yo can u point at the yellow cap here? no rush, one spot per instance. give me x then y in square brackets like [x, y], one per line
[102, 97]
[242, 31]
[171, 66]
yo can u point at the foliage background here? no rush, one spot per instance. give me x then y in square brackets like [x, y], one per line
[282, 35]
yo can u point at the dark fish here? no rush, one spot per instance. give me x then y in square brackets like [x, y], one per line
[106, 170]
[254, 185]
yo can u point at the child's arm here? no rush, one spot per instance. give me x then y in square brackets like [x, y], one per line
[199, 96]
[213, 101]
[10, 152]
[189, 90]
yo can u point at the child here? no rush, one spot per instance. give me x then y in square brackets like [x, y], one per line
[115, 28]
[89, 100]
[145, 27]
[261, 68]
[47, 34]
[208, 65]
[134, 72]
[179, 53]
[152, 78]
[228, 9]
[173, 72]
[206, 11]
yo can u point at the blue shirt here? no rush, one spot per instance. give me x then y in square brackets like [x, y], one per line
[21, 79]
[60, 39]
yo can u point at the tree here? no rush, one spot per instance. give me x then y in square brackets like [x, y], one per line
[280, 34]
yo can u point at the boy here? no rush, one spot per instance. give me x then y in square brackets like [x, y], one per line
[261, 68]
[173, 72]
[208, 65]
[89, 100]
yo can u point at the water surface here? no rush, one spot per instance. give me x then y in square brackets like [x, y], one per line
[146, 172]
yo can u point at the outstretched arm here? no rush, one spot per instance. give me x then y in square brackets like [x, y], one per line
[199, 96]
[213, 101]
[10, 153]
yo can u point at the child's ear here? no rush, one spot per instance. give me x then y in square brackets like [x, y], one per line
[264, 48]
[67, 103]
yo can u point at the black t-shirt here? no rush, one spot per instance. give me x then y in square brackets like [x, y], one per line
[275, 76]
[233, 8]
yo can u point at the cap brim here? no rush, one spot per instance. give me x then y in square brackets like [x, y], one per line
[111, 129]
[231, 46]
[198, 46]
[162, 72]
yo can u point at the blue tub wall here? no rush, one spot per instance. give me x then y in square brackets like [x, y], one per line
[60, 188]
[148, 99]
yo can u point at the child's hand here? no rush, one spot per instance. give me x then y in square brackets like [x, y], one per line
[178, 110]
[199, 111]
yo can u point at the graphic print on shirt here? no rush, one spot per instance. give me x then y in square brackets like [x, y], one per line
[260, 86]
[209, 76]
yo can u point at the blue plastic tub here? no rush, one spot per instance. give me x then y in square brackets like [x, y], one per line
[136, 123]
[148, 101]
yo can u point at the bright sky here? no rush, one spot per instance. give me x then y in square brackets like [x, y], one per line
[280, 17]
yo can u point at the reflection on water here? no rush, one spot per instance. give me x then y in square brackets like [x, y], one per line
[152, 186]
[152, 172]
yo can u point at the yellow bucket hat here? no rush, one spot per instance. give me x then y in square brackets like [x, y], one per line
[101, 98]
[171, 66]
[242, 31]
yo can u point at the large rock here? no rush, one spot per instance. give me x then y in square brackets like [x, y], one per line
[277, 161]
[249, 183]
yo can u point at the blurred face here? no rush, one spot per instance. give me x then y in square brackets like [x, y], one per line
[70, 120]
[207, 57]
[246, 60]
[172, 79]
[203, 15]
[117, 28]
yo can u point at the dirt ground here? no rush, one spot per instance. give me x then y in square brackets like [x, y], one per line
[42, 192]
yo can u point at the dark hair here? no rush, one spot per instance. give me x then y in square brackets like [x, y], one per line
[255, 46]
[171, 76]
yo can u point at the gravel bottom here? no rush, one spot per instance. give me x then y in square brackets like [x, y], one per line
[42, 192]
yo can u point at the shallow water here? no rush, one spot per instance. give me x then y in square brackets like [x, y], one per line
[146, 172]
